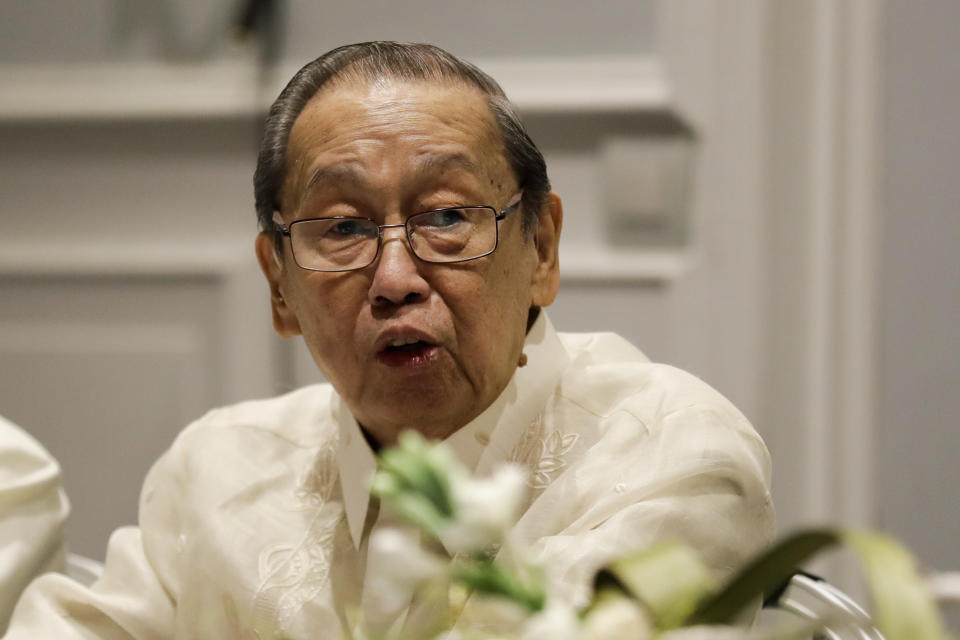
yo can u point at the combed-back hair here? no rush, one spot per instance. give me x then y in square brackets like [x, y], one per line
[371, 61]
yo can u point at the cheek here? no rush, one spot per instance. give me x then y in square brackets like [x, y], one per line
[514, 278]
[327, 310]
[503, 302]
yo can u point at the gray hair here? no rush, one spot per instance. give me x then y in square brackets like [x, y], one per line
[374, 60]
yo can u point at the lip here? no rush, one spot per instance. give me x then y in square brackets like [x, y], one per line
[401, 333]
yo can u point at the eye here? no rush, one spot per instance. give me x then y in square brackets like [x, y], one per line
[442, 219]
[349, 228]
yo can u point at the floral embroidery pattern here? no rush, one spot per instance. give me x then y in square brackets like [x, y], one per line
[298, 572]
[315, 483]
[545, 455]
[293, 574]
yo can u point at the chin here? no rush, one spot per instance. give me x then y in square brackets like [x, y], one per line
[430, 420]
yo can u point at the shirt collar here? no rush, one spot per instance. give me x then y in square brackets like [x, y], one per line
[480, 445]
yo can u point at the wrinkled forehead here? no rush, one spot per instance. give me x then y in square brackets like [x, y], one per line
[352, 114]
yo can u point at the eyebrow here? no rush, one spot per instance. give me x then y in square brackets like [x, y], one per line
[439, 161]
[335, 173]
[425, 164]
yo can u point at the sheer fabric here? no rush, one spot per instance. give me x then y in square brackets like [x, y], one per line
[255, 523]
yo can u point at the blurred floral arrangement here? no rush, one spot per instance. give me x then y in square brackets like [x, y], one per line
[455, 549]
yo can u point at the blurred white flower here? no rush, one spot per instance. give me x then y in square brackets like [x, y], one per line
[487, 616]
[556, 622]
[485, 508]
[617, 619]
[405, 560]
[401, 566]
[710, 632]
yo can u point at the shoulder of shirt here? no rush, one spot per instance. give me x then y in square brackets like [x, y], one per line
[22, 453]
[301, 417]
[609, 376]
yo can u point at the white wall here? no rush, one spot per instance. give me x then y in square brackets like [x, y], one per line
[919, 377]
[61, 31]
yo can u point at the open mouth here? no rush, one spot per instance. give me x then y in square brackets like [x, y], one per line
[408, 352]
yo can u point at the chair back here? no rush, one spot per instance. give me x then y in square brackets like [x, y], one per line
[84, 570]
[814, 599]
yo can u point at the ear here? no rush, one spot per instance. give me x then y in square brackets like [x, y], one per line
[285, 321]
[546, 277]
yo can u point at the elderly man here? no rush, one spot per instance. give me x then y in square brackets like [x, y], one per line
[410, 236]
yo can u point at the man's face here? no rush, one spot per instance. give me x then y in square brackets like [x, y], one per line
[385, 151]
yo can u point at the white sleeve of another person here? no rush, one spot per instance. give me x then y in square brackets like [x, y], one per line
[33, 510]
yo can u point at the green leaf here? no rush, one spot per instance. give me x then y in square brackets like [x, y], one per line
[668, 578]
[485, 576]
[413, 470]
[903, 608]
[762, 576]
[418, 512]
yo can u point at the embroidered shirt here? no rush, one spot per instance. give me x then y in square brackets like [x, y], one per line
[255, 523]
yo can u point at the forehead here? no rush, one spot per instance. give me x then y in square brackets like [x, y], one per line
[366, 123]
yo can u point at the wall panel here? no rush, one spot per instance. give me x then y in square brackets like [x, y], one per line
[105, 370]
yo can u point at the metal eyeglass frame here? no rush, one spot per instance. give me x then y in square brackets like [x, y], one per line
[512, 206]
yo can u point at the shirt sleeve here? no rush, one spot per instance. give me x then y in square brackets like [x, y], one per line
[696, 473]
[127, 602]
[133, 598]
[33, 509]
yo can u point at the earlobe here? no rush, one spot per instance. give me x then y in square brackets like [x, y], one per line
[285, 321]
[546, 277]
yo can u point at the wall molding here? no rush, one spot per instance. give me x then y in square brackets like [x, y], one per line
[138, 258]
[246, 345]
[236, 88]
[822, 292]
[611, 264]
[124, 257]
[842, 277]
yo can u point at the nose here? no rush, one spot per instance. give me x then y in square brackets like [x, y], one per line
[396, 275]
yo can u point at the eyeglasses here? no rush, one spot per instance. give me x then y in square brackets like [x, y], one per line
[344, 243]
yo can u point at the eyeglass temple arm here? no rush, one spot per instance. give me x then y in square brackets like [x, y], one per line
[277, 220]
[511, 206]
